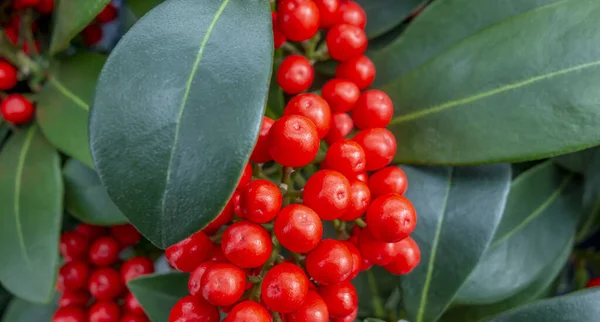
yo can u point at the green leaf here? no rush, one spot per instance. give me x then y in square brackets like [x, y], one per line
[451, 203]
[63, 104]
[173, 127]
[31, 194]
[539, 220]
[70, 18]
[575, 307]
[20, 310]
[576, 162]
[479, 90]
[373, 288]
[86, 198]
[159, 292]
[384, 15]
[590, 215]
[133, 10]
[276, 100]
[4, 131]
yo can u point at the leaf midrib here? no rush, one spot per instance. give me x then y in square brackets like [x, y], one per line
[69, 94]
[17, 196]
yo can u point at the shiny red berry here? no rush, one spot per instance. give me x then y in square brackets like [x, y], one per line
[108, 14]
[346, 157]
[373, 109]
[293, 141]
[73, 276]
[45, 7]
[190, 252]
[260, 201]
[246, 244]
[379, 145]
[130, 317]
[248, 311]
[298, 228]
[70, 314]
[23, 4]
[92, 35]
[594, 282]
[388, 180]
[92, 232]
[261, 149]
[193, 309]
[74, 298]
[195, 281]
[330, 262]
[341, 125]
[341, 94]
[313, 309]
[8, 76]
[295, 74]
[284, 288]
[327, 192]
[278, 36]
[136, 267]
[104, 311]
[360, 198]
[16, 109]
[216, 254]
[105, 284]
[125, 234]
[224, 217]
[356, 259]
[223, 284]
[104, 251]
[346, 42]
[298, 19]
[375, 251]
[352, 13]
[408, 256]
[391, 218]
[314, 108]
[348, 318]
[328, 12]
[73, 245]
[341, 299]
[236, 200]
[132, 305]
[246, 177]
[359, 70]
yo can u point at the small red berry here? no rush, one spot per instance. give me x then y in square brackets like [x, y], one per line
[341, 299]
[298, 19]
[236, 199]
[360, 198]
[328, 12]
[362, 177]
[284, 288]
[314, 108]
[104, 311]
[594, 282]
[74, 298]
[379, 145]
[73, 245]
[92, 35]
[136, 267]
[105, 284]
[407, 258]
[388, 180]
[327, 192]
[246, 177]
[92, 232]
[261, 149]
[295, 74]
[360, 70]
[104, 251]
[130, 317]
[293, 141]
[352, 13]
[374, 250]
[73, 276]
[8, 76]
[346, 42]
[248, 311]
[341, 125]
[132, 305]
[195, 281]
[186, 255]
[45, 7]
[216, 254]
[346, 157]
[16, 109]
[313, 309]
[23, 4]
[391, 218]
[224, 217]
[278, 36]
[70, 314]
[223, 284]
[298, 228]
[108, 14]
[330, 262]
[260, 201]
[373, 109]
[193, 309]
[341, 94]
[356, 259]
[246, 244]
[125, 234]
[348, 318]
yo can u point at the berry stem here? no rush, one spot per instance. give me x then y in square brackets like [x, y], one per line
[286, 181]
[276, 317]
[258, 172]
[18, 57]
[310, 47]
[360, 223]
[291, 49]
[378, 309]
[255, 293]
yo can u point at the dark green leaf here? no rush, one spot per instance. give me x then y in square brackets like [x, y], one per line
[577, 161]
[63, 104]
[374, 290]
[477, 91]
[451, 203]
[4, 131]
[276, 101]
[31, 194]
[576, 307]
[384, 15]
[71, 17]
[86, 198]
[5, 299]
[539, 220]
[590, 215]
[159, 292]
[173, 127]
[22, 311]
[133, 10]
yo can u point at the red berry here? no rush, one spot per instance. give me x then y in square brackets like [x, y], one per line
[70, 314]
[246, 177]
[236, 199]
[391, 218]
[593, 282]
[193, 309]
[16, 109]
[341, 94]
[195, 281]
[92, 35]
[362, 177]
[248, 311]
[327, 192]
[45, 7]
[388, 180]
[104, 251]
[216, 254]
[125, 234]
[73, 245]
[223, 284]
[8, 76]
[298, 19]
[136, 267]
[373, 109]
[314, 108]
[360, 198]
[104, 311]
[23, 4]
[407, 258]
[330, 262]
[360, 70]
[74, 298]
[346, 157]
[313, 309]
[260, 201]
[341, 299]
[298, 228]
[246, 244]
[356, 259]
[379, 145]
[261, 149]
[352, 13]
[224, 217]
[73, 276]
[348, 318]
[278, 36]
[129, 317]
[295, 74]
[346, 42]
[108, 14]
[105, 284]
[284, 288]
[92, 232]
[190, 252]
[328, 12]
[341, 125]
[132, 305]
[293, 141]
[375, 251]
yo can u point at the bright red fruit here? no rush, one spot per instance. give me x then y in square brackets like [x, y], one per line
[352, 13]
[327, 192]
[293, 141]
[313, 309]
[341, 125]
[132, 305]
[357, 259]
[70, 314]
[298, 19]
[23, 4]
[92, 35]
[346, 157]
[90, 231]
[346, 42]
[594, 282]
[379, 145]
[314, 108]
[407, 258]
[295, 74]
[328, 12]
[16, 109]
[216, 254]
[224, 217]
[130, 317]
[195, 281]
[73, 276]
[248, 311]
[246, 176]
[375, 251]
[223, 284]
[260, 201]
[261, 149]
[73, 245]
[105, 284]
[192, 309]
[74, 298]
[388, 180]
[104, 311]
[373, 109]
[278, 36]
[330, 262]
[391, 218]
[341, 299]
[341, 94]
[284, 288]
[108, 14]
[298, 228]
[126, 234]
[246, 244]
[360, 70]
[348, 318]
[45, 7]
[136, 267]
[104, 251]
[8, 76]
[190, 252]
[360, 198]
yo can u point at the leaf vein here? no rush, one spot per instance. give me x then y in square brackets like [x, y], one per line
[67, 93]
[17, 205]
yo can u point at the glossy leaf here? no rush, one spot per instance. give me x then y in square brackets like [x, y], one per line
[384, 15]
[478, 90]
[577, 161]
[20, 310]
[159, 292]
[170, 139]
[86, 198]
[539, 220]
[451, 203]
[31, 194]
[70, 18]
[575, 307]
[63, 104]
[590, 215]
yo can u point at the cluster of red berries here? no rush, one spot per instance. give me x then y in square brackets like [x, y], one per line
[93, 34]
[240, 269]
[93, 277]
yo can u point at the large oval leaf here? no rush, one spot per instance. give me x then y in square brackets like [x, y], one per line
[540, 218]
[63, 103]
[31, 194]
[384, 15]
[86, 198]
[590, 215]
[159, 292]
[172, 128]
[490, 87]
[458, 209]
[577, 161]
[133, 10]
[22, 311]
